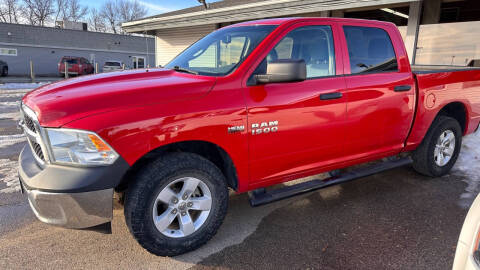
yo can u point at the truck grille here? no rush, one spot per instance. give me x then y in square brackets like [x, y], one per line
[37, 149]
[29, 123]
[31, 129]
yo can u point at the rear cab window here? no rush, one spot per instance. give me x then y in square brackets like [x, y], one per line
[370, 50]
[70, 60]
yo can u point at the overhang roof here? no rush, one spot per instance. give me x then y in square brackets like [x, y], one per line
[241, 10]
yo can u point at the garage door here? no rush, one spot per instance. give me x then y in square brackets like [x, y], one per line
[171, 42]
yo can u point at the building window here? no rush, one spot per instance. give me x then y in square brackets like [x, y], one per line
[8, 51]
[138, 62]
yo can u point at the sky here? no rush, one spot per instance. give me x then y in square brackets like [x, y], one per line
[154, 6]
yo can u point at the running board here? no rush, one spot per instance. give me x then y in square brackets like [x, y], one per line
[261, 196]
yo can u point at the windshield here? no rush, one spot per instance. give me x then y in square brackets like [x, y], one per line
[220, 52]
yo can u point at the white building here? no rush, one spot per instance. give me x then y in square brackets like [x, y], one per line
[434, 31]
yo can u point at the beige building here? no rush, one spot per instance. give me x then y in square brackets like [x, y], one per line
[435, 31]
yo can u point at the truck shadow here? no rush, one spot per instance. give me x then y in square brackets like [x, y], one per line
[389, 220]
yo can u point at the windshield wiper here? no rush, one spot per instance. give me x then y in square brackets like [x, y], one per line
[180, 69]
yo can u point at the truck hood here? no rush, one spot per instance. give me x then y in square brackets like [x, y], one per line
[59, 103]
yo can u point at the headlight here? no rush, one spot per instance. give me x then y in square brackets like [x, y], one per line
[78, 147]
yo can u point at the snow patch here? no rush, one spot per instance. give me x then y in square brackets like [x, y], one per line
[9, 176]
[468, 165]
[13, 115]
[7, 140]
[21, 85]
[10, 104]
[11, 95]
[14, 91]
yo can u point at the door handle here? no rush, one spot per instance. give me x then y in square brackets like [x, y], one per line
[334, 95]
[402, 88]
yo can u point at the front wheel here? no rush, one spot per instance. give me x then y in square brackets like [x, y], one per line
[176, 204]
[439, 150]
[5, 72]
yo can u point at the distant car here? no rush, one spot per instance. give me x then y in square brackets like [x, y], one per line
[467, 255]
[112, 66]
[3, 68]
[76, 66]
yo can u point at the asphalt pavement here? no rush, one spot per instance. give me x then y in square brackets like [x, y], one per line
[392, 220]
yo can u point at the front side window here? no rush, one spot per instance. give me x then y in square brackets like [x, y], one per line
[313, 44]
[370, 50]
[220, 52]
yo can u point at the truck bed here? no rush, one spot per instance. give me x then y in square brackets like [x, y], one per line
[441, 85]
[426, 69]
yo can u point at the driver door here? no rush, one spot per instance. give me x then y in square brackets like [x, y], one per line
[298, 128]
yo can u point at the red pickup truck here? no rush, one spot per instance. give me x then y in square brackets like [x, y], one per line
[248, 106]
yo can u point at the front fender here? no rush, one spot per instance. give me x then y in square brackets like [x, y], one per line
[137, 131]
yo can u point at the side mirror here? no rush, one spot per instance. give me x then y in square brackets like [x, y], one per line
[285, 70]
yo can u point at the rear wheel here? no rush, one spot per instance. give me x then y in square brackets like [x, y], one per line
[439, 150]
[5, 71]
[177, 204]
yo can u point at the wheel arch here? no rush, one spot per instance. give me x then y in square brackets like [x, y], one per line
[211, 151]
[424, 120]
[458, 111]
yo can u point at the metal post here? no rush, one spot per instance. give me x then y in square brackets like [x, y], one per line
[32, 75]
[413, 27]
[123, 66]
[96, 67]
[66, 70]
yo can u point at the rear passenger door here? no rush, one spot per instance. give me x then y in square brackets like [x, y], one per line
[298, 127]
[381, 90]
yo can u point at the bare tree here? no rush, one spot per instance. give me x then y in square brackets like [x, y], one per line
[96, 22]
[130, 10]
[76, 11]
[70, 10]
[9, 11]
[117, 11]
[60, 9]
[38, 12]
[109, 12]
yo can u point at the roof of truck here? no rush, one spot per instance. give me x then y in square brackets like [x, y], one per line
[278, 21]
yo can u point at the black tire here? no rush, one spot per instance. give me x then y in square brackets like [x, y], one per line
[5, 71]
[140, 197]
[423, 156]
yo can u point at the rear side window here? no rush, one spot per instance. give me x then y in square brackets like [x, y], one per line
[370, 50]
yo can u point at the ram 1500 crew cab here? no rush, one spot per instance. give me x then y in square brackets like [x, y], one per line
[248, 106]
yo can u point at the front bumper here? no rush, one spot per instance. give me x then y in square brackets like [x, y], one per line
[71, 197]
[72, 210]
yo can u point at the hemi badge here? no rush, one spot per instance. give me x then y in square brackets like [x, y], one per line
[235, 129]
